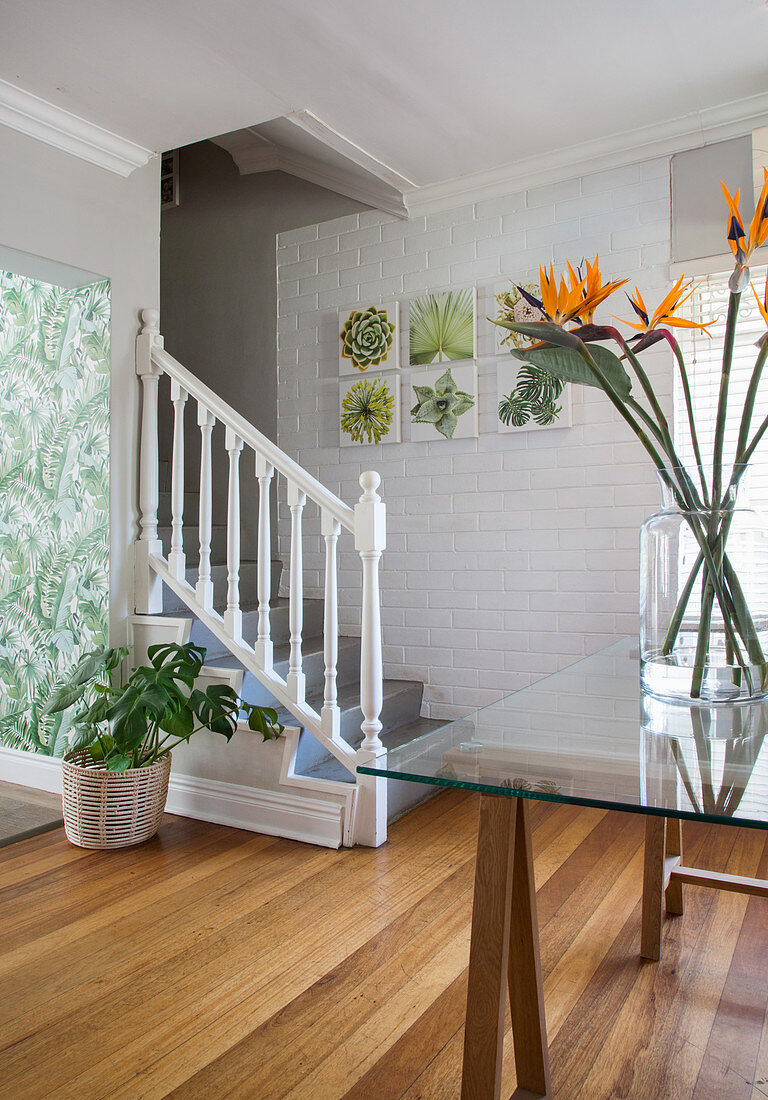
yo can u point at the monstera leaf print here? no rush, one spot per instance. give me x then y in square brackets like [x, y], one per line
[54, 497]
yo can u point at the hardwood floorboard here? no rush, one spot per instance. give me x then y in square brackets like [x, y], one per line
[213, 964]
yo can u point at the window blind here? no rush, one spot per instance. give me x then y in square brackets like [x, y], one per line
[703, 359]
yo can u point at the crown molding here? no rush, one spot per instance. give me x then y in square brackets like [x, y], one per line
[252, 152]
[690, 131]
[39, 119]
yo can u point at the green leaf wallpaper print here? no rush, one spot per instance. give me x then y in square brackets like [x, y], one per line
[54, 496]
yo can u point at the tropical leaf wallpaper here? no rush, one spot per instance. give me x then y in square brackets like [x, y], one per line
[54, 496]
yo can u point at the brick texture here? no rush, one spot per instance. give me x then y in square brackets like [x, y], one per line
[509, 555]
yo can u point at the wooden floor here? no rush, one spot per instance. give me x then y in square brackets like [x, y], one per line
[213, 963]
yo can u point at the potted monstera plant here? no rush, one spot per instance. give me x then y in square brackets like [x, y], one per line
[124, 726]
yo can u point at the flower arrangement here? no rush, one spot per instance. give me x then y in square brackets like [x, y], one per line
[572, 348]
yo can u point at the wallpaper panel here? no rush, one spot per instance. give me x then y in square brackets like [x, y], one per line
[54, 496]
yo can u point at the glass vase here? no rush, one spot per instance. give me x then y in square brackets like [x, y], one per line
[704, 601]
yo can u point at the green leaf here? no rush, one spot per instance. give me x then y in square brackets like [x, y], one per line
[441, 326]
[118, 762]
[569, 366]
[543, 330]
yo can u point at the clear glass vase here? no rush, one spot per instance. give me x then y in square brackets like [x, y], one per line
[704, 601]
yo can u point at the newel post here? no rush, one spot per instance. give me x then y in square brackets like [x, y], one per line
[370, 540]
[148, 599]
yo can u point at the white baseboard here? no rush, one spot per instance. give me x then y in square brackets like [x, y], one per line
[276, 813]
[30, 769]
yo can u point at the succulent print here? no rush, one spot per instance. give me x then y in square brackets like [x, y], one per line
[367, 410]
[442, 326]
[441, 406]
[367, 337]
[533, 398]
[54, 497]
[514, 307]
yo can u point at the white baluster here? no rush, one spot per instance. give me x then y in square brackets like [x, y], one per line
[330, 715]
[233, 616]
[204, 587]
[263, 647]
[370, 540]
[295, 679]
[176, 559]
[148, 597]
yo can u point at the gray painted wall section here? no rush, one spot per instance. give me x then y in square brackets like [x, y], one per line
[218, 295]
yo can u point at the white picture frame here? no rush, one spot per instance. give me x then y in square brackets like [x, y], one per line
[507, 372]
[465, 376]
[348, 349]
[394, 434]
[440, 299]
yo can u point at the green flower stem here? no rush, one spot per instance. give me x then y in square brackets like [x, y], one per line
[746, 416]
[722, 403]
[691, 419]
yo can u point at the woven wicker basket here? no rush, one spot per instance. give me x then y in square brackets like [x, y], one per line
[112, 809]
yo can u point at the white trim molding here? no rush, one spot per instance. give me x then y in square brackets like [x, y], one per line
[691, 131]
[30, 769]
[37, 118]
[275, 813]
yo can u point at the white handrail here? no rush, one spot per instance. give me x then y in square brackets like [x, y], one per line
[231, 418]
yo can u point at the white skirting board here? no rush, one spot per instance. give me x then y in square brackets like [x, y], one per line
[277, 813]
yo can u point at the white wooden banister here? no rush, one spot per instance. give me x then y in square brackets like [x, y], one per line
[204, 588]
[263, 647]
[176, 558]
[233, 617]
[296, 679]
[366, 806]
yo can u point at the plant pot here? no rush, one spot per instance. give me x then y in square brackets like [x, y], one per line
[704, 603]
[112, 809]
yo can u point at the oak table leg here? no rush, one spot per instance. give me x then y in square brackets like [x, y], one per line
[653, 887]
[504, 912]
[673, 895]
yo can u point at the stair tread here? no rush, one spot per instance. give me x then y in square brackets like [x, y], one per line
[331, 768]
[349, 696]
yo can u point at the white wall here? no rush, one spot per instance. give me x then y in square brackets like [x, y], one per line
[72, 212]
[508, 555]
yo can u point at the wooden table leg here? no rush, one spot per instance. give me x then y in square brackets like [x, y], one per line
[504, 895]
[653, 887]
[673, 896]
[526, 990]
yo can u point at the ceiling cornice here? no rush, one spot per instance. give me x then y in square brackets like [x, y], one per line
[691, 131]
[37, 118]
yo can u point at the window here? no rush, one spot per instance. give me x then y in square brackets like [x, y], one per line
[703, 360]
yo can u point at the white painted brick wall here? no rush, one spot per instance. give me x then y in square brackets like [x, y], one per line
[508, 555]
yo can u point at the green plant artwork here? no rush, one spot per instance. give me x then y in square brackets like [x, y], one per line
[534, 398]
[54, 497]
[441, 406]
[367, 337]
[512, 306]
[442, 326]
[367, 410]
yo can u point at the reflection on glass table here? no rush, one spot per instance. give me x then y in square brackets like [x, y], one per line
[588, 736]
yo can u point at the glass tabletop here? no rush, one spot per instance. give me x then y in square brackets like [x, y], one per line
[587, 736]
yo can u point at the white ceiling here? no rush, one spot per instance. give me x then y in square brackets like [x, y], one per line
[434, 89]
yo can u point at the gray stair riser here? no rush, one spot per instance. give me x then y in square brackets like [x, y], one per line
[400, 706]
[249, 585]
[278, 623]
[191, 540]
[191, 508]
[347, 671]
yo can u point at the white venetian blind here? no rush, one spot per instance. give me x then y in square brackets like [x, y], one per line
[703, 359]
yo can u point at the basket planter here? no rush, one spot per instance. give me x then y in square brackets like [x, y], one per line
[105, 809]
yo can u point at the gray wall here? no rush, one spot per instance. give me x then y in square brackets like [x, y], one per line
[218, 292]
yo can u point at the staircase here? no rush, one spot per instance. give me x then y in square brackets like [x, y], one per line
[285, 652]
